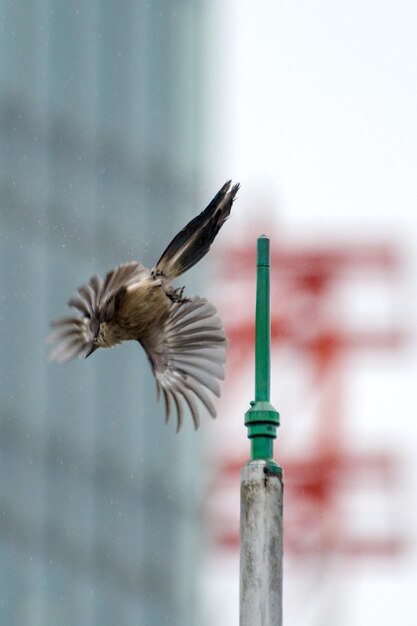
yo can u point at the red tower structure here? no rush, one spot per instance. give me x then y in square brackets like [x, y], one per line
[306, 284]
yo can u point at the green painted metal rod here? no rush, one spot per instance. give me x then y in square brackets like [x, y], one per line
[262, 419]
[262, 338]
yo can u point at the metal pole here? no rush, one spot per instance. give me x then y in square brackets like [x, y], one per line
[261, 486]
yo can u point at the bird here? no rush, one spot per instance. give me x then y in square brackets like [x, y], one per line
[183, 337]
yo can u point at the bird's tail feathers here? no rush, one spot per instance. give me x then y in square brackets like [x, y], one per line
[194, 240]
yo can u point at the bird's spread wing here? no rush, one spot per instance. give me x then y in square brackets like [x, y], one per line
[95, 302]
[187, 357]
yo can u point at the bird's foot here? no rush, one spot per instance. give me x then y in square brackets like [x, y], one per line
[177, 295]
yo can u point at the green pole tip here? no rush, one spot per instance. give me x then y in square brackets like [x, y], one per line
[262, 287]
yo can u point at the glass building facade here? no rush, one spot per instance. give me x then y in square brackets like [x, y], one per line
[99, 504]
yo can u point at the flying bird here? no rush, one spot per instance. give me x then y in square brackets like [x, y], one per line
[182, 337]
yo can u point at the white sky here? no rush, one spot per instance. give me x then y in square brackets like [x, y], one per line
[320, 102]
[314, 110]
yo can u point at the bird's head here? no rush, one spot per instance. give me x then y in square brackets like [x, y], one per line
[98, 340]
[105, 336]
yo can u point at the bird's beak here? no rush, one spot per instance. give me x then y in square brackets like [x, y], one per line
[91, 350]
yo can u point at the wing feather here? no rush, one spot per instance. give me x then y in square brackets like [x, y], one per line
[78, 302]
[187, 357]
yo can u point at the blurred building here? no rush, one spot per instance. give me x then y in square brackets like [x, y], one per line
[99, 105]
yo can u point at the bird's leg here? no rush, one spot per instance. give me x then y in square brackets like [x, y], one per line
[176, 295]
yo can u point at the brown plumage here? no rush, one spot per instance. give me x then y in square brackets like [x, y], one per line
[183, 337]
